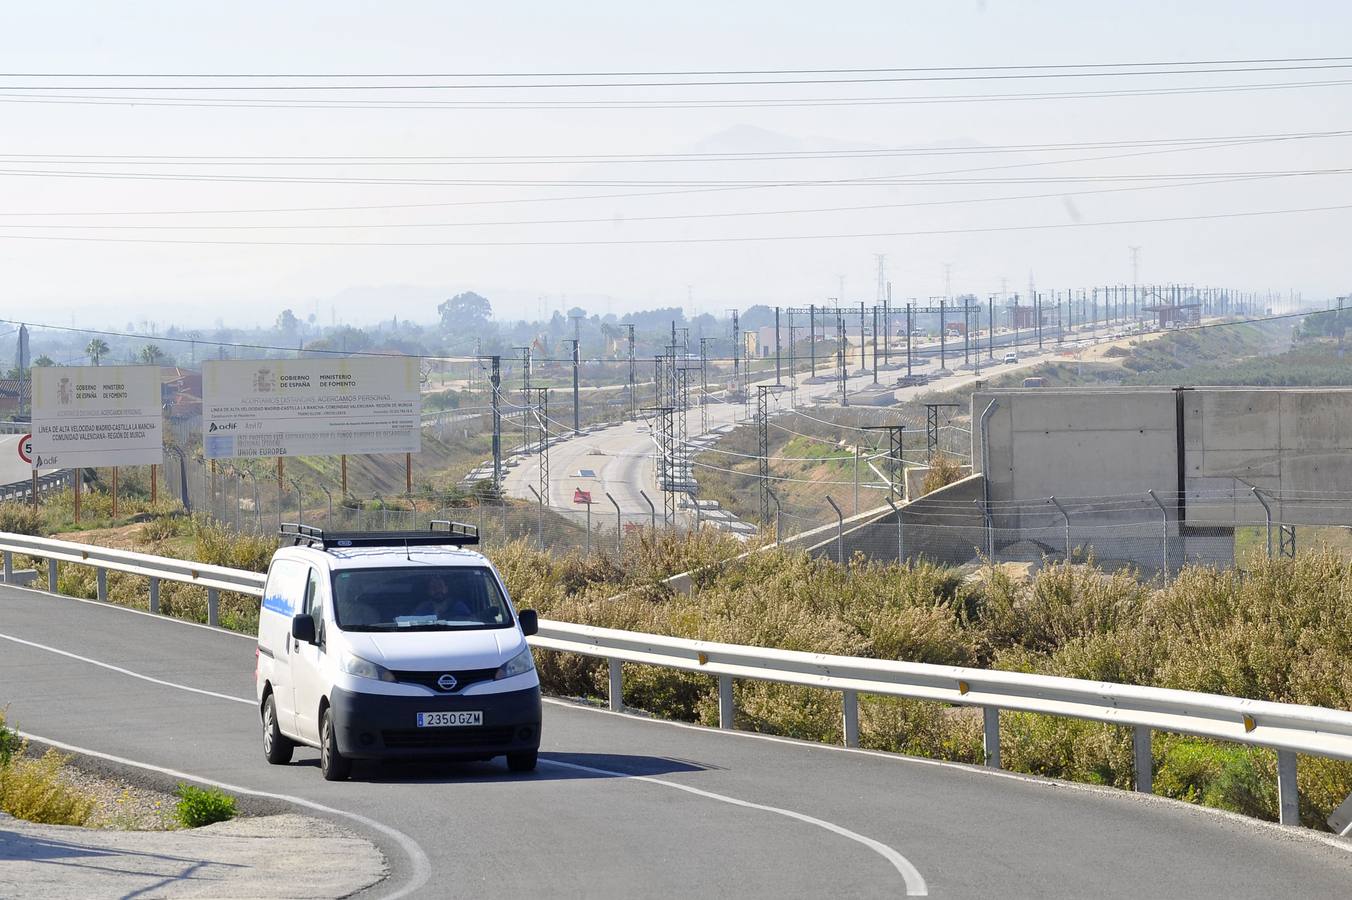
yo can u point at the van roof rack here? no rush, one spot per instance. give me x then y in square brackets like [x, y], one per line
[440, 533]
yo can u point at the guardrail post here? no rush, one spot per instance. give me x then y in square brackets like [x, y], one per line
[213, 606]
[101, 580]
[725, 705]
[154, 594]
[9, 566]
[51, 577]
[851, 704]
[616, 685]
[1145, 764]
[990, 734]
[1288, 799]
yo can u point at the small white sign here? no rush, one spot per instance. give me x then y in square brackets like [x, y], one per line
[88, 416]
[310, 407]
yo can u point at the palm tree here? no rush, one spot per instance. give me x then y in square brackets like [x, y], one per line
[151, 355]
[95, 349]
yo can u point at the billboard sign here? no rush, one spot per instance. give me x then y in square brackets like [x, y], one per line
[88, 416]
[310, 407]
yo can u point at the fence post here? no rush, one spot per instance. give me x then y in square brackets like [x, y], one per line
[1164, 520]
[154, 594]
[990, 530]
[9, 566]
[652, 511]
[588, 505]
[1066, 516]
[840, 531]
[1287, 796]
[1267, 511]
[901, 545]
[725, 705]
[1140, 751]
[52, 577]
[101, 582]
[850, 701]
[619, 522]
[213, 606]
[616, 685]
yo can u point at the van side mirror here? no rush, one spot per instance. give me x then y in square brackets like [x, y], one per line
[530, 621]
[303, 628]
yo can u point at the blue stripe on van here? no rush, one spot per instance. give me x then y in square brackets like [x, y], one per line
[278, 604]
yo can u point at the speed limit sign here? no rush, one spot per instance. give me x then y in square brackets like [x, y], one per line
[26, 448]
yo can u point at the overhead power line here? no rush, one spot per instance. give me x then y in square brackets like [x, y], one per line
[686, 72]
[771, 79]
[536, 104]
[996, 229]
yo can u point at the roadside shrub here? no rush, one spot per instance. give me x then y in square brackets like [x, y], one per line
[203, 806]
[943, 471]
[22, 518]
[31, 789]
[218, 545]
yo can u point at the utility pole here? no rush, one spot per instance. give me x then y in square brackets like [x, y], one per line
[875, 344]
[704, 384]
[633, 373]
[577, 359]
[887, 326]
[736, 350]
[542, 410]
[763, 446]
[525, 396]
[812, 339]
[863, 347]
[495, 380]
[778, 378]
[840, 356]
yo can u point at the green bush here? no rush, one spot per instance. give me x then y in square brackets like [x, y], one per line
[22, 518]
[32, 789]
[203, 806]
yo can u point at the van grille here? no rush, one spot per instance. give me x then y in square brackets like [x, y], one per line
[447, 737]
[463, 678]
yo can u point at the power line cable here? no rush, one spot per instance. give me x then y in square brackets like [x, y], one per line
[1000, 229]
[650, 104]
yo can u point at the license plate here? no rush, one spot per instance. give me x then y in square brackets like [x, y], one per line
[450, 719]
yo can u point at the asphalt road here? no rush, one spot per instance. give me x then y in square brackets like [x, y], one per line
[624, 806]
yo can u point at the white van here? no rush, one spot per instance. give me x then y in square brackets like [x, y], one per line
[379, 645]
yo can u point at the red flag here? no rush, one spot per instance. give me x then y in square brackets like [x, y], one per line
[581, 496]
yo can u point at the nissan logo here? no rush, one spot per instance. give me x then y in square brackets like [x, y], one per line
[447, 682]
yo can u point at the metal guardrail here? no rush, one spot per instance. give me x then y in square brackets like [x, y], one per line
[23, 490]
[1288, 729]
[154, 568]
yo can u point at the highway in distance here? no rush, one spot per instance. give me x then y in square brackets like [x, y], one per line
[625, 807]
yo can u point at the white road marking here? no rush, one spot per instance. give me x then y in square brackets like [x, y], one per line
[915, 882]
[122, 671]
[422, 867]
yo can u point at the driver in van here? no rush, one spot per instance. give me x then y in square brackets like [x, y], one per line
[440, 603]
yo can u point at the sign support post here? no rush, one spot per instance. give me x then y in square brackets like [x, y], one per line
[115, 491]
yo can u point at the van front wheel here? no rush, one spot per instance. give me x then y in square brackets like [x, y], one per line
[332, 764]
[277, 747]
[522, 761]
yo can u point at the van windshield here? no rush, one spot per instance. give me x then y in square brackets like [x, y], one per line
[419, 599]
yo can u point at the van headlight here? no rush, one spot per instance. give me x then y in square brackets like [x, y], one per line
[520, 664]
[364, 668]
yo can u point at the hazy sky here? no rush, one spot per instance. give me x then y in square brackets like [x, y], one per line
[526, 271]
